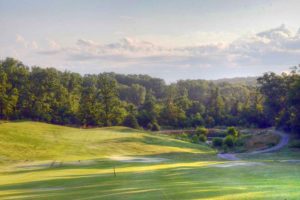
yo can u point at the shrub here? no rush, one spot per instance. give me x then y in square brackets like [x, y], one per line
[195, 138]
[201, 130]
[155, 126]
[229, 141]
[184, 137]
[202, 138]
[217, 142]
[232, 131]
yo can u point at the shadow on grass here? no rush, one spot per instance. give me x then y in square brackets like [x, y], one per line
[182, 176]
[121, 129]
[174, 183]
[165, 142]
[107, 163]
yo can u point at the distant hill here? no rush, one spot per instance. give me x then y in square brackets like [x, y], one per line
[238, 80]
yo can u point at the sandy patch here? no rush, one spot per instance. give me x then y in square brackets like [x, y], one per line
[55, 164]
[238, 164]
[137, 159]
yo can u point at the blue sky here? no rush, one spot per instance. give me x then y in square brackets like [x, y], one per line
[178, 39]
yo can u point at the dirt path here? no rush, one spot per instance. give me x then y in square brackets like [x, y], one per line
[283, 142]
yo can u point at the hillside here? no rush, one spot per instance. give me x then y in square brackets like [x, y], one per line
[33, 141]
[250, 81]
[43, 161]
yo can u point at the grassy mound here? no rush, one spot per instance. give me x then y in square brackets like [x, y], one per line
[32, 141]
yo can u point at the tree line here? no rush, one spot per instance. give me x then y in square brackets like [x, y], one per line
[108, 99]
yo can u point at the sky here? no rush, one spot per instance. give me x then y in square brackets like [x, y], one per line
[174, 39]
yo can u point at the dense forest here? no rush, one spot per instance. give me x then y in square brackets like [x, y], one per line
[49, 95]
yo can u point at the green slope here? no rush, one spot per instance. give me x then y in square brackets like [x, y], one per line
[84, 167]
[32, 141]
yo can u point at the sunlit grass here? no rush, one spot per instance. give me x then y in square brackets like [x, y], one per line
[42, 161]
[38, 141]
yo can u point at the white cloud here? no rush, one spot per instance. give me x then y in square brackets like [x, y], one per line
[25, 43]
[34, 45]
[263, 51]
[20, 39]
[53, 44]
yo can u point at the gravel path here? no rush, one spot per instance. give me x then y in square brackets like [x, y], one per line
[283, 142]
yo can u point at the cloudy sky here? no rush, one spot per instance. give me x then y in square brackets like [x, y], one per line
[174, 39]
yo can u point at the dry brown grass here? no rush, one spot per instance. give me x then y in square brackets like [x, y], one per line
[261, 141]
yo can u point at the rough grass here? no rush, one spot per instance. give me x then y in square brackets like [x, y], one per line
[256, 141]
[187, 171]
[261, 141]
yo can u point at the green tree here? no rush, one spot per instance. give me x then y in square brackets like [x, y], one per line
[112, 111]
[197, 120]
[232, 131]
[148, 112]
[274, 88]
[229, 141]
[201, 131]
[89, 106]
[131, 120]
[3, 94]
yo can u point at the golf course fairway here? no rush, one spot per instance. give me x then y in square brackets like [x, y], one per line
[43, 161]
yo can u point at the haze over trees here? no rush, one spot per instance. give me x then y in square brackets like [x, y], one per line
[107, 99]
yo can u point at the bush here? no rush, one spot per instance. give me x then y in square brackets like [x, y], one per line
[202, 138]
[217, 142]
[155, 126]
[184, 137]
[195, 139]
[232, 131]
[229, 141]
[201, 130]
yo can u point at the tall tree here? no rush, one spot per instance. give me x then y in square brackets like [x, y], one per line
[113, 111]
[89, 107]
[148, 113]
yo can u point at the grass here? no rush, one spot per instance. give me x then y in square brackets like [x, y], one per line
[189, 171]
[256, 141]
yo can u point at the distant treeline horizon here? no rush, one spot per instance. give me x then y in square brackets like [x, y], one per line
[142, 101]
